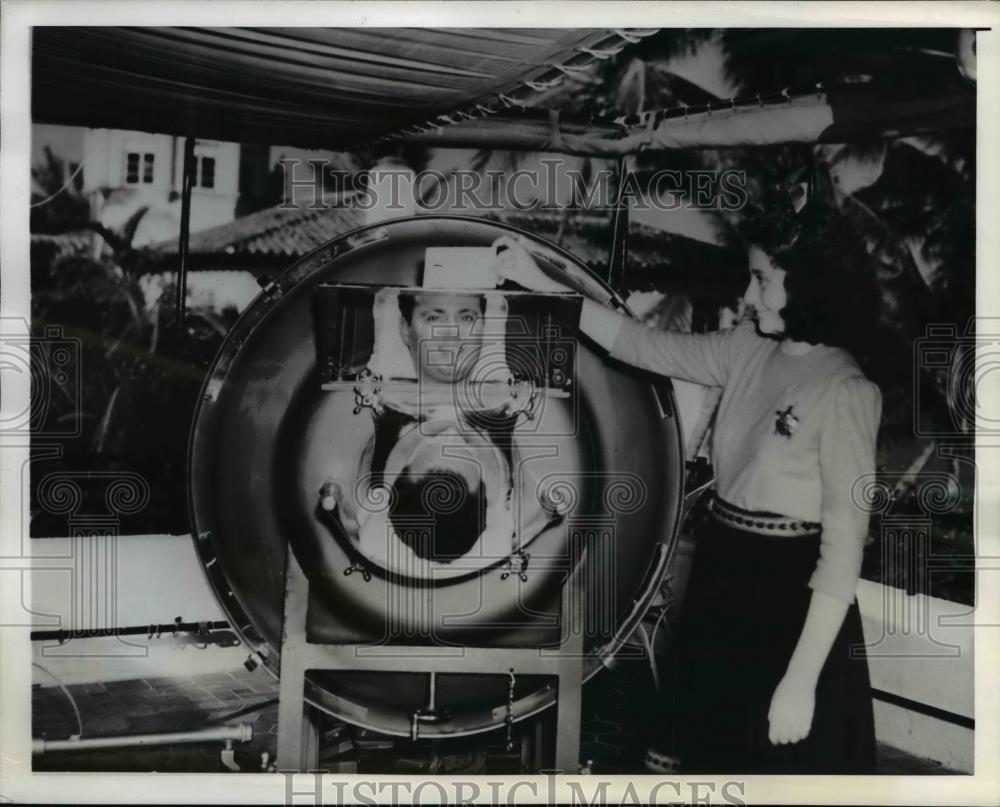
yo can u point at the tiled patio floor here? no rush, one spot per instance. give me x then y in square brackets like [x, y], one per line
[181, 704]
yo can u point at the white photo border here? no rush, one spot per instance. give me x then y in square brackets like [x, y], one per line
[17, 783]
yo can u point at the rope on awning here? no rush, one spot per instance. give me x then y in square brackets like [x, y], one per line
[756, 120]
[634, 35]
[548, 78]
[840, 113]
[792, 119]
[737, 102]
[601, 55]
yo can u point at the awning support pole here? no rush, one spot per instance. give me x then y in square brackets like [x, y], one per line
[618, 257]
[187, 182]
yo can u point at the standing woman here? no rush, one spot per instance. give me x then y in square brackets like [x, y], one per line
[772, 671]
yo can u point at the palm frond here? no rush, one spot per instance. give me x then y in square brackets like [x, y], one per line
[132, 224]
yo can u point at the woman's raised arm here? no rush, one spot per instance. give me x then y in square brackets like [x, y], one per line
[698, 358]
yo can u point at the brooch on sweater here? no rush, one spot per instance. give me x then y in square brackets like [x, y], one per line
[786, 423]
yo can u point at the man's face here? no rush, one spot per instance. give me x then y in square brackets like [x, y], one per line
[442, 336]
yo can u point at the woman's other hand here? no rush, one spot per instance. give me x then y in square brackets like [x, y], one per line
[515, 263]
[791, 713]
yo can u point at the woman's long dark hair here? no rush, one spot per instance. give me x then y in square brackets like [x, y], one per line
[833, 294]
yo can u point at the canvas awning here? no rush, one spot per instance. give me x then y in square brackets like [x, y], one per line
[332, 88]
[345, 88]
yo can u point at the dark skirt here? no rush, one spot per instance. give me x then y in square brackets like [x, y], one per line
[741, 618]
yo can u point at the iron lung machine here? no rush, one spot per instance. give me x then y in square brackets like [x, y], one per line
[459, 648]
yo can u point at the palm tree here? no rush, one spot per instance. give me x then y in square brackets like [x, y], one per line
[141, 375]
[58, 204]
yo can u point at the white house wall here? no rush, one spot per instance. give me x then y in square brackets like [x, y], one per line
[105, 174]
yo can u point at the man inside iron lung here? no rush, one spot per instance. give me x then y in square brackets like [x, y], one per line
[439, 471]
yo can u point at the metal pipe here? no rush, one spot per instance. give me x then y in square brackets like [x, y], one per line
[240, 733]
[187, 181]
[152, 631]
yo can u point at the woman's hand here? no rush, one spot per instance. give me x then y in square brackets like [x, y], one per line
[515, 263]
[791, 712]
[794, 699]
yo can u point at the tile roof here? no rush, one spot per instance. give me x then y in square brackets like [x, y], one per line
[290, 233]
[272, 232]
[588, 236]
[279, 236]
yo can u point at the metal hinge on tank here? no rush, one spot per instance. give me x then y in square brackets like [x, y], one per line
[367, 393]
[358, 566]
[517, 564]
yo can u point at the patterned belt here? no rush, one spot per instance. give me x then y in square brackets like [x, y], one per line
[760, 523]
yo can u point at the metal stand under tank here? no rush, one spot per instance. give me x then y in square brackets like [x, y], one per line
[298, 735]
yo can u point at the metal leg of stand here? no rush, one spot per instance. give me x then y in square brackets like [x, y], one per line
[538, 745]
[569, 702]
[568, 727]
[298, 733]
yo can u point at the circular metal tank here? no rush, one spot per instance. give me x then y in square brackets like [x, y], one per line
[260, 442]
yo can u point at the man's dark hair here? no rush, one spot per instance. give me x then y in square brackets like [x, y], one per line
[436, 515]
[408, 301]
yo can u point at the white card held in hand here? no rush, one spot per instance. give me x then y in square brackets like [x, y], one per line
[459, 268]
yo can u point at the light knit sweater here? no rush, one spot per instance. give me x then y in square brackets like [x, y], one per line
[803, 465]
